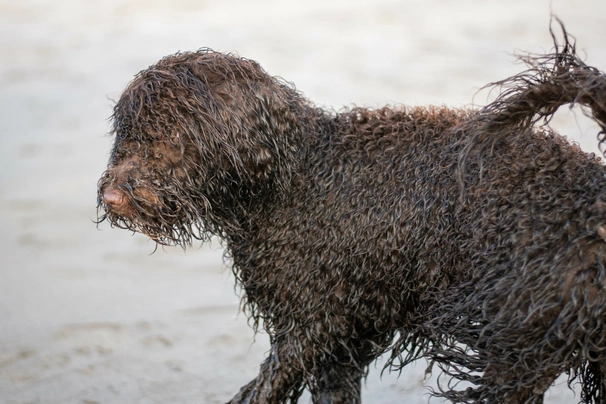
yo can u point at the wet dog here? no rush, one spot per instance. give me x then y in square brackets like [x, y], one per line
[470, 237]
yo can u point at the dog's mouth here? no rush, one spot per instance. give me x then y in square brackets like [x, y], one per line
[165, 219]
[137, 210]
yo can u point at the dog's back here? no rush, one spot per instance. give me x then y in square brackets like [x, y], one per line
[454, 228]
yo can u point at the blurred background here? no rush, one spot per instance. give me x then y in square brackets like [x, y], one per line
[90, 315]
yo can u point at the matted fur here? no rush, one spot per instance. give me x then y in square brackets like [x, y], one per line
[469, 237]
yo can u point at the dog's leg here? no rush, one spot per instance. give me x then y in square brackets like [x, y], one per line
[504, 386]
[278, 381]
[594, 382]
[340, 382]
[281, 379]
[602, 393]
[338, 385]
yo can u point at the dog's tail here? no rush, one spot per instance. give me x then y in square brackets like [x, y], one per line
[551, 81]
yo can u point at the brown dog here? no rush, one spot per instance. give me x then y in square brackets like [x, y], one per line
[465, 236]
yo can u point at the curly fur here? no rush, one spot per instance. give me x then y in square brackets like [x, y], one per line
[470, 237]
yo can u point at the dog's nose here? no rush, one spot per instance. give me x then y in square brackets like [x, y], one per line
[114, 198]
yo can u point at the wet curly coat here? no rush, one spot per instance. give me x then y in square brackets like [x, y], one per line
[469, 237]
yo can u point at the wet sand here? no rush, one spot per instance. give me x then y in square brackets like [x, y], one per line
[89, 315]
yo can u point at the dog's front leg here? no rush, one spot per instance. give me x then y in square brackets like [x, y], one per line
[277, 382]
[338, 385]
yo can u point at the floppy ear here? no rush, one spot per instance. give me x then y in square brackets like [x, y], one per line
[268, 139]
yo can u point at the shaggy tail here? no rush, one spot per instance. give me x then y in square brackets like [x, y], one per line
[551, 81]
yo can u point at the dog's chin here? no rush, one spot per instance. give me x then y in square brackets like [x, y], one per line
[162, 236]
[167, 233]
[162, 239]
[121, 220]
[165, 228]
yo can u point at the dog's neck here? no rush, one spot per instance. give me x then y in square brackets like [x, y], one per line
[264, 171]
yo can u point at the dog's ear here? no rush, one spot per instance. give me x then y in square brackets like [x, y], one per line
[248, 124]
[268, 139]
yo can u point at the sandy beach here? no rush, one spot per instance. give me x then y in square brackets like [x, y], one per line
[90, 314]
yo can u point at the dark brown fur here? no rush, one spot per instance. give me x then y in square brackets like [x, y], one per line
[465, 236]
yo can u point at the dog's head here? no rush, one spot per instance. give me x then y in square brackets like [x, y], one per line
[200, 139]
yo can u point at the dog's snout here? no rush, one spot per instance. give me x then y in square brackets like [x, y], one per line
[114, 198]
